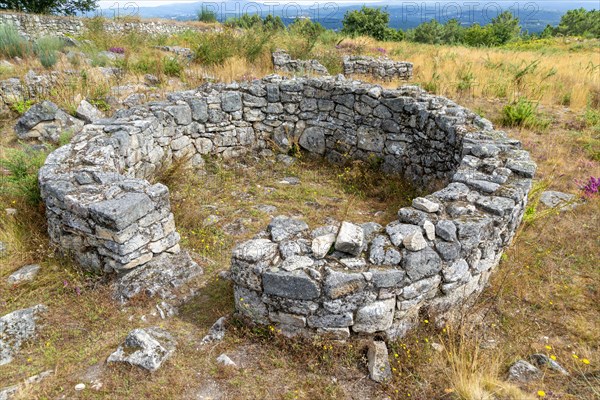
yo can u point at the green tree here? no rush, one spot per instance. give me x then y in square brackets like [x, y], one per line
[366, 22]
[453, 32]
[272, 23]
[62, 7]
[505, 27]
[431, 32]
[477, 35]
[206, 15]
[307, 28]
[580, 22]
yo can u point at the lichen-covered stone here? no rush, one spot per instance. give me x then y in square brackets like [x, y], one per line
[375, 317]
[350, 238]
[146, 348]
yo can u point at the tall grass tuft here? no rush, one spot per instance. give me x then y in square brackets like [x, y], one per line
[12, 44]
[523, 113]
[22, 174]
[47, 49]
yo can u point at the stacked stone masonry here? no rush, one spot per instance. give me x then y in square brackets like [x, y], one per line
[379, 68]
[344, 278]
[35, 26]
[283, 62]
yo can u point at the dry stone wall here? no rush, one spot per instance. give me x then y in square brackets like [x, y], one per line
[34, 26]
[283, 62]
[341, 278]
[380, 68]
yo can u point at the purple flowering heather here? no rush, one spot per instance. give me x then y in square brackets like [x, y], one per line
[381, 50]
[592, 187]
[117, 50]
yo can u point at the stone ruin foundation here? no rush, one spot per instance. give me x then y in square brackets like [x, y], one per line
[339, 279]
[283, 62]
[380, 68]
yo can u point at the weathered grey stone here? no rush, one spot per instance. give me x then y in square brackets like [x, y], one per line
[339, 284]
[294, 285]
[224, 360]
[8, 392]
[421, 264]
[283, 228]
[294, 247]
[231, 101]
[350, 238]
[297, 262]
[313, 140]
[16, 328]
[255, 250]
[331, 320]
[446, 230]
[421, 287]
[542, 360]
[88, 113]
[387, 278]
[554, 199]
[414, 241]
[147, 348]
[456, 271]
[398, 231]
[159, 277]
[26, 273]
[429, 229]
[322, 244]
[522, 371]
[448, 250]
[375, 317]
[423, 204]
[216, 333]
[46, 122]
[122, 212]
[283, 62]
[288, 319]
[379, 365]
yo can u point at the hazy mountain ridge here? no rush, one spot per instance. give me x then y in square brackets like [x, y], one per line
[534, 16]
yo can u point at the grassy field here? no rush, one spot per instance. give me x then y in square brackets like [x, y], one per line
[543, 298]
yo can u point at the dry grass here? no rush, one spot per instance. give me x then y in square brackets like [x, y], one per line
[543, 298]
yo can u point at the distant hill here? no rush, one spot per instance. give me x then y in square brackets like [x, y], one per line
[534, 15]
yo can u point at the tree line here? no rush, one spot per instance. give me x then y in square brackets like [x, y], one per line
[505, 27]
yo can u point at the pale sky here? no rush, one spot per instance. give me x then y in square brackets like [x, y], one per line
[154, 3]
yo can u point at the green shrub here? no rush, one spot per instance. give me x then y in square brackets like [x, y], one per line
[48, 58]
[12, 44]
[22, 174]
[172, 66]
[143, 66]
[523, 113]
[366, 22]
[206, 15]
[253, 44]
[216, 48]
[99, 60]
[21, 106]
[592, 118]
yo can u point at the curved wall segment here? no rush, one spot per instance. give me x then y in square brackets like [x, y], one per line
[339, 279]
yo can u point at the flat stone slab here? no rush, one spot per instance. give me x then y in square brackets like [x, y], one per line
[16, 328]
[23, 274]
[146, 348]
[379, 365]
[554, 199]
[159, 277]
[522, 371]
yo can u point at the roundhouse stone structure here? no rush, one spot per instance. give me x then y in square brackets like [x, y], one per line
[339, 279]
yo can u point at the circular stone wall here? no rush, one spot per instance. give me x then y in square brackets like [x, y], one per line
[102, 209]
